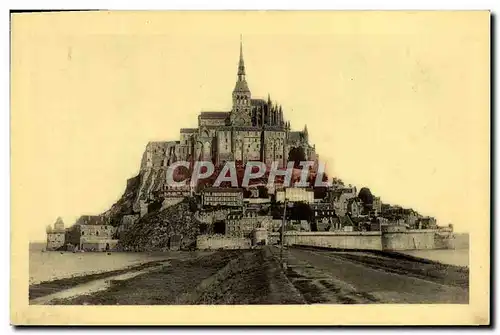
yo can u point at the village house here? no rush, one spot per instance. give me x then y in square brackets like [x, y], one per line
[340, 196]
[355, 207]
[377, 206]
[222, 197]
[242, 225]
[427, 222]
[295, 194]
[93, 233]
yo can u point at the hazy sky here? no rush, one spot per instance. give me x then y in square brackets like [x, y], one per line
[398, 102]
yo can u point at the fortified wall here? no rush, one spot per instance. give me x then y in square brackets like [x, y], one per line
[378, 240]
[340, 240]
[222, 242]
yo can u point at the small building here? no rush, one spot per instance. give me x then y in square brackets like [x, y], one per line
[345, 221]
[92, 220]
[222, 197]
[97, 244]
[242, 224]
[355, 207]
[93, 233]
[295, 194]
[376, 206]
[56, 237]
[427, 222]
[340, 197]
[378, 223]
[323, 210]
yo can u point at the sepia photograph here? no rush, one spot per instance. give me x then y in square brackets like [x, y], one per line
[288, 162]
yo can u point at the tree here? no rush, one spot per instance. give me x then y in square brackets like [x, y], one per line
[366, 196]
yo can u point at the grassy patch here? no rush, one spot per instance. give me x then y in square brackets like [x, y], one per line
[49, 287]
[437, 272]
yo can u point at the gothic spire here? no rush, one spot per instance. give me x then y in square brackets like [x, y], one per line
[241, 83]
[241, 65]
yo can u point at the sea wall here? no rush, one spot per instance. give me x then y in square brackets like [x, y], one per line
[339, 240]
[446, 241]
[409, 240]
[387, 240]
[222, 242]
[98, 244]
[461, 241]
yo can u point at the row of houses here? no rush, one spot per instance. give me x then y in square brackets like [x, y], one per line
[237, 212]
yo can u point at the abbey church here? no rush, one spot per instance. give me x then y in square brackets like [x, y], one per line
[253, 130]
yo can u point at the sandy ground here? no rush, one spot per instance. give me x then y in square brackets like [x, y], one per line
[52, 265]
[260, 276]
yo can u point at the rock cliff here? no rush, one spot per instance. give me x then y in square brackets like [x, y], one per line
[154, 230]
[152, 178]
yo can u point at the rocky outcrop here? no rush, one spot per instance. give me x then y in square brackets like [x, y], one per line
[125, 205]
[158, 154]
[154, 230]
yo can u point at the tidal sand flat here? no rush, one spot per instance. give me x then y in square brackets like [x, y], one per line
[52, 265]
[263, 276]
[459, 257]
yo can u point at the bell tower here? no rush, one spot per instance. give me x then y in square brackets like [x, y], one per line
[242, 107]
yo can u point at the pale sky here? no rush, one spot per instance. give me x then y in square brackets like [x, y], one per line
[397, 102]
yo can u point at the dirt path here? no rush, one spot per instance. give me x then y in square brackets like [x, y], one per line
[324, 277]
[225, 277]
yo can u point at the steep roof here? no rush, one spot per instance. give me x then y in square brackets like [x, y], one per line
[296, 136]
[92, 220]
[189, 130]
[241, 86]
[222, 189]
[214, 115]
[346, 221]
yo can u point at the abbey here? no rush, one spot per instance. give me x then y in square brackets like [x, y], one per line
[253, 130]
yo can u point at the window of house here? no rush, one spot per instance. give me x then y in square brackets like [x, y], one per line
[83, 233]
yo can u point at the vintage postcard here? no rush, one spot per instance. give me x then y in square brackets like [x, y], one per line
[250, 168]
